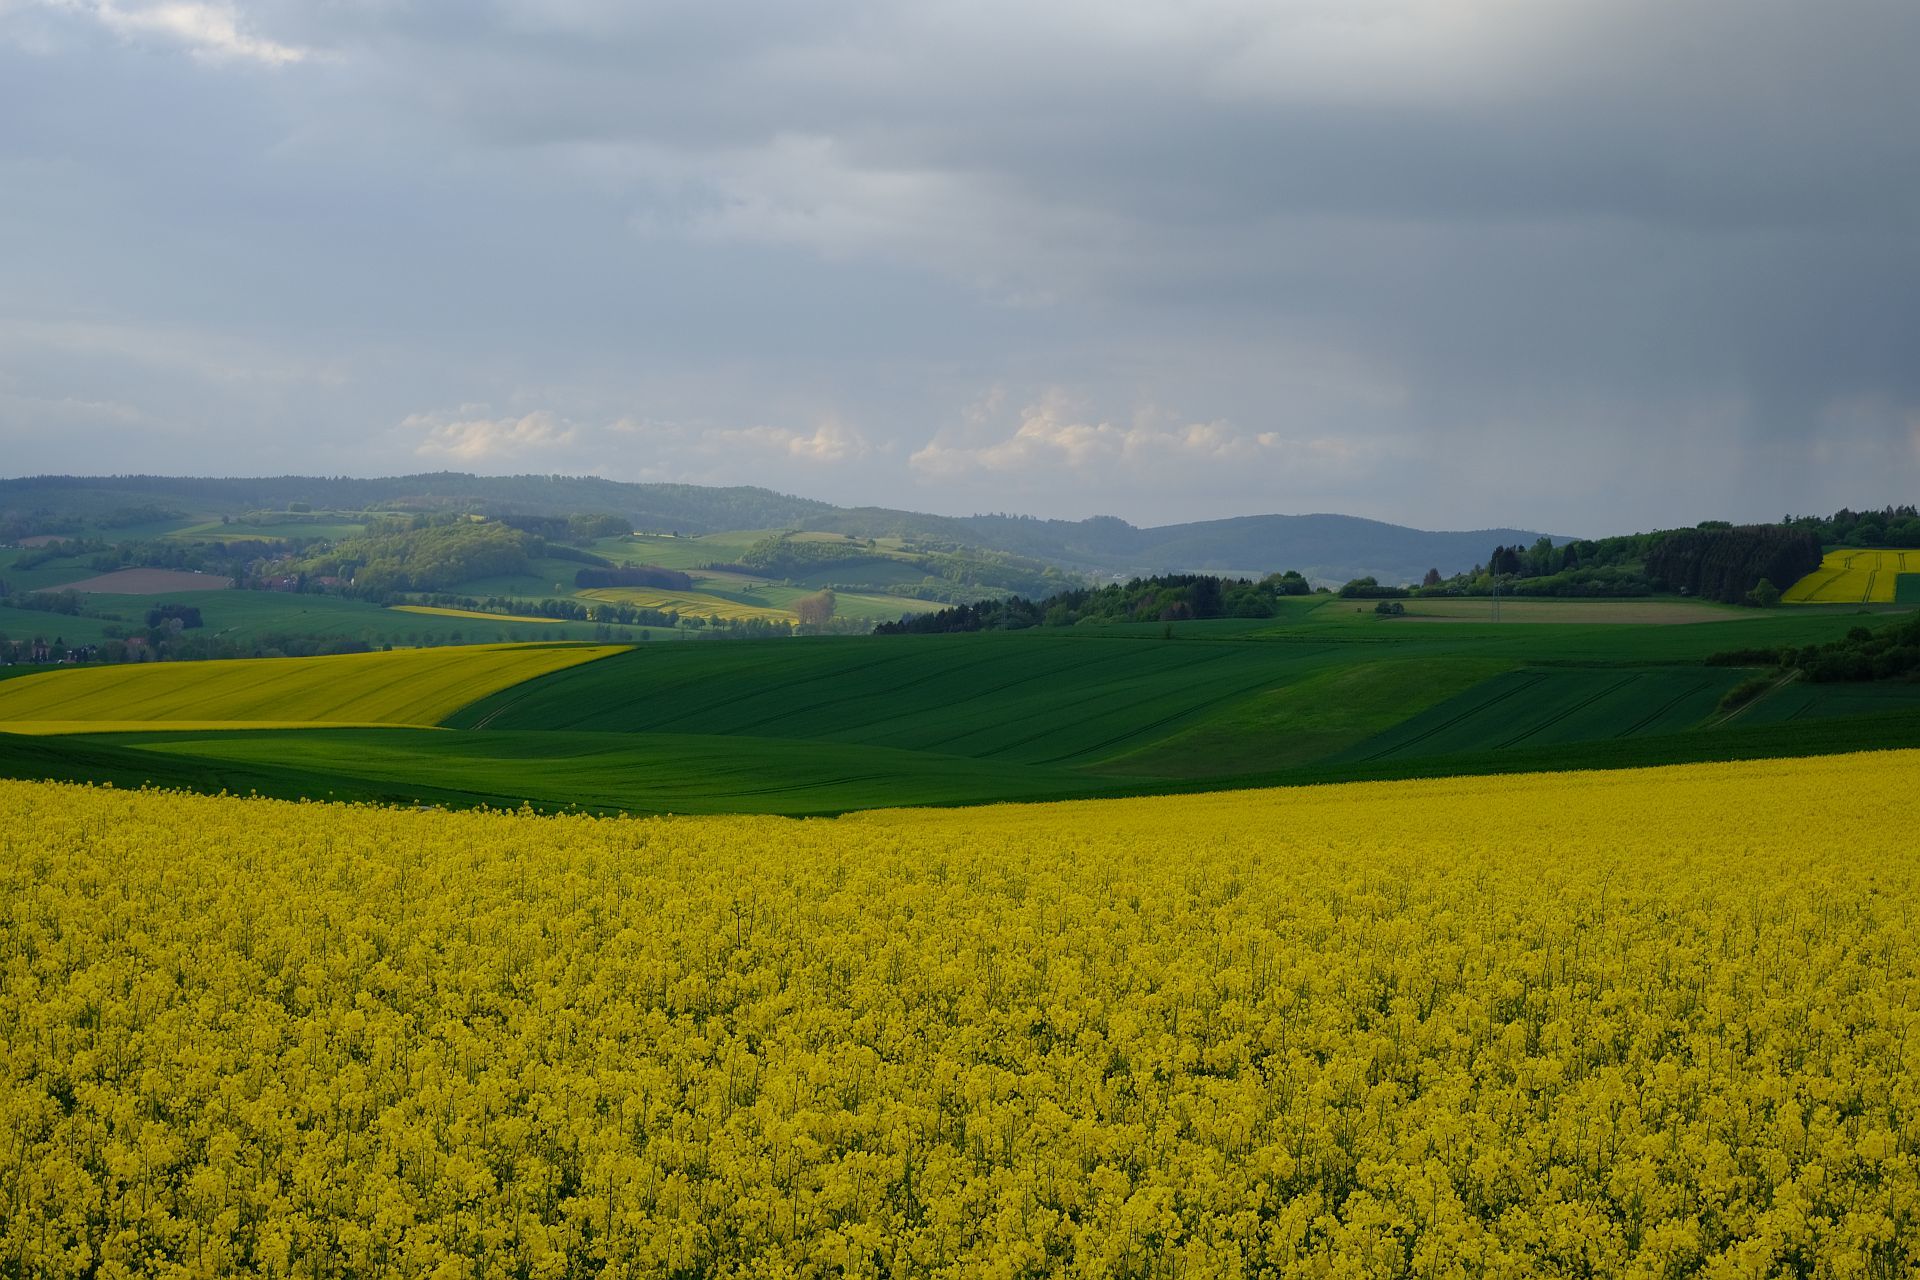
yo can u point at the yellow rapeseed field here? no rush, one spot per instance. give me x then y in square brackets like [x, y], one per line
[1854, 577]
[439, 611]
[1643, 1023]
[405, 686]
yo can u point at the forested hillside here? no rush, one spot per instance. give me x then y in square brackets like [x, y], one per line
[1326, 548]
[26, 504]
[1748, 564]
[1714, 560]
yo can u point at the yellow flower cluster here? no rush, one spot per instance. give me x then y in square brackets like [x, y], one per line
[1642, 1023]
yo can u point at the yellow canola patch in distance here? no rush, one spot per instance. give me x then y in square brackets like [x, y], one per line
[1853, 577]
[438, 612]
[685, 603]
[48, 728]
[402, 687]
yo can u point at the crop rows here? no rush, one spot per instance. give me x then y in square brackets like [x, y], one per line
[417, 686]
[1853, 577]
[1541, 707]
[1011, 698]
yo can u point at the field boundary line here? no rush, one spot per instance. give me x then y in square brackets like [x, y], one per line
[524, 693]
[1663, 708]
[1525, 680]
[1757, 699]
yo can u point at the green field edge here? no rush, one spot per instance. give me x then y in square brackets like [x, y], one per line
[89, 759]
[121, 763]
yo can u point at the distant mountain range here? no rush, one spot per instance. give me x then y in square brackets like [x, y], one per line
[1327, 548]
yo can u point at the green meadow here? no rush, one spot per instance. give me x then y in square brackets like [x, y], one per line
[815, 725]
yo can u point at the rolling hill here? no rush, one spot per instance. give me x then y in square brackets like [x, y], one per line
[1330, 548]
[1326, 692]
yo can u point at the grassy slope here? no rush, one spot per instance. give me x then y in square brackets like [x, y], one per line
[1596, 644]
[634, 772]
[28, 624]
[1308, 719]
[675, 774]
[416, 686]
[1885, 731]
[1029, 698]
[1215, 699]
[805, 726]
[50, 576]
[105, 761]
[1543, 706]
[680, 553]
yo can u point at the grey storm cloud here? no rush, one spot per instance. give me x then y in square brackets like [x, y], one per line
[1590, 264]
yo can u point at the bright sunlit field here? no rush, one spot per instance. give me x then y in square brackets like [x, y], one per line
[1648, 1022]
[1854, 577]
[404, 686]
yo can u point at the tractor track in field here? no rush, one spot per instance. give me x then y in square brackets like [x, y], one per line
[1195, 709]
[1581, 705]
[1663, 708]
[1055, 726]
[1761, 697]
[1521, 684]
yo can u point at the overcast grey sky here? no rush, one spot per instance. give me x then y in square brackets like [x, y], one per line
[1582, 265]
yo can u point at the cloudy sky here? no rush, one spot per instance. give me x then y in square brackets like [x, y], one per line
[1582, 265]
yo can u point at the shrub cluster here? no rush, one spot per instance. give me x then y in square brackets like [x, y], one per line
[1889, 653]
[1166, 598]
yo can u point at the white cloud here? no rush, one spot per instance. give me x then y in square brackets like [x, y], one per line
[1053, 435]
[831, 441]
[210, 31]
[624, 447]
[474, 439]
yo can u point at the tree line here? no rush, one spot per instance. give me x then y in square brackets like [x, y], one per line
[1713, 561]
[1891, 652]
[1890, 526]
[635, 575]
[1163, 598]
